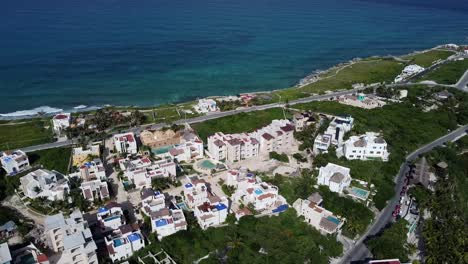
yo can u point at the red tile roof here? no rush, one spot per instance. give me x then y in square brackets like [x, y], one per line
[267, 136]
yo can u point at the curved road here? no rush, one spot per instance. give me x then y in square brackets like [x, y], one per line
[359, 251]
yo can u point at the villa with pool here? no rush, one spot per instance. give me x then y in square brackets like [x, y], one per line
[317, 216]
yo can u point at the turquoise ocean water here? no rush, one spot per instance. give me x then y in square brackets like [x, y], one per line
[64, 54]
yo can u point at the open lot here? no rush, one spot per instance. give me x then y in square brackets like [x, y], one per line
[52, 159]
[448, 73]
[14, 135]
[366, 71]
[428, 58]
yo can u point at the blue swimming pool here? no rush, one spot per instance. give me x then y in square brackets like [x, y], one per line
[333, 220]
[161, 150]
[111, 218]
[360, 193]
[258, 191]
[160, 222]
[134, 237]
[206, 164]
[118, 242]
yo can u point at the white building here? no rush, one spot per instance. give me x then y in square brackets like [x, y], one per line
[408, 71]
[195, 192]
[336, 177]
[14, 162]
[30, 253]
[72, 237]
[165, 220]
[334, 134]
[93, 180]
[110, 217]
[212, 212]
[123, 242]
[317, 216]
[44, 183]
[61, 122]
[5, 255]
[141, 170]
[125, 143]
[206, 106]
[277, 136]
[365, 147]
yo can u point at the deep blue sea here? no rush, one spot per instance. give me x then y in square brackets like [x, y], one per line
[63, 54]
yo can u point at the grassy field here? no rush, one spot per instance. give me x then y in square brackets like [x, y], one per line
[365, 71]
[15, 135]
[243, 122]
[426, 59]
[448, 73]
[52, 159]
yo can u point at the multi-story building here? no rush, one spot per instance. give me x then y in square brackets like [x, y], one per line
[195, 192]
[190, 148]
[141, 170]
[93, 180]
[212, 212]
[125, 143]
[277, 136]
[123, 242]
[44, 183]
[110, 217]
[165, 219]
[72, 237]
[365, 147]
[317, 216]
[61, 122]
[334, 134]
[29, 254]
[14, 162]
[336, 177]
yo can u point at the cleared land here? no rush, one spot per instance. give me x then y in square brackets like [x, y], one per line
[428, 58]
[448, 73]
[365, 71]
[52, 159]
[15, 135]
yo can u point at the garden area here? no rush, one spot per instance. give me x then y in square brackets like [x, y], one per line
[14, 135]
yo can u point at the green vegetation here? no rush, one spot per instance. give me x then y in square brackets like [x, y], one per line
[444, 233]
[161, 183]
[448, 73]
[23, 225]
[306, 137]
[299, 157]
[428, 58]
[243, 122]
[405, 128]
[228, 190]
[392, 243]
[285, 238]
[14, 135]
[52, 159]
[365, 71]
[279, 157]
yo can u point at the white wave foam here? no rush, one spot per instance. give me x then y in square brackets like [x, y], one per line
[33, 112]
[80, 107]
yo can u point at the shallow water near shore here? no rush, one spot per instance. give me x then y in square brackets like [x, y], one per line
[121, 52]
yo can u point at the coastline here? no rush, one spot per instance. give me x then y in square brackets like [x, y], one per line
[314, 76]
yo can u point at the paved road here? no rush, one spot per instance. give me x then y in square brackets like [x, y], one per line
[249, 109]
[462, 84]
[360, 252]
[48, 146]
